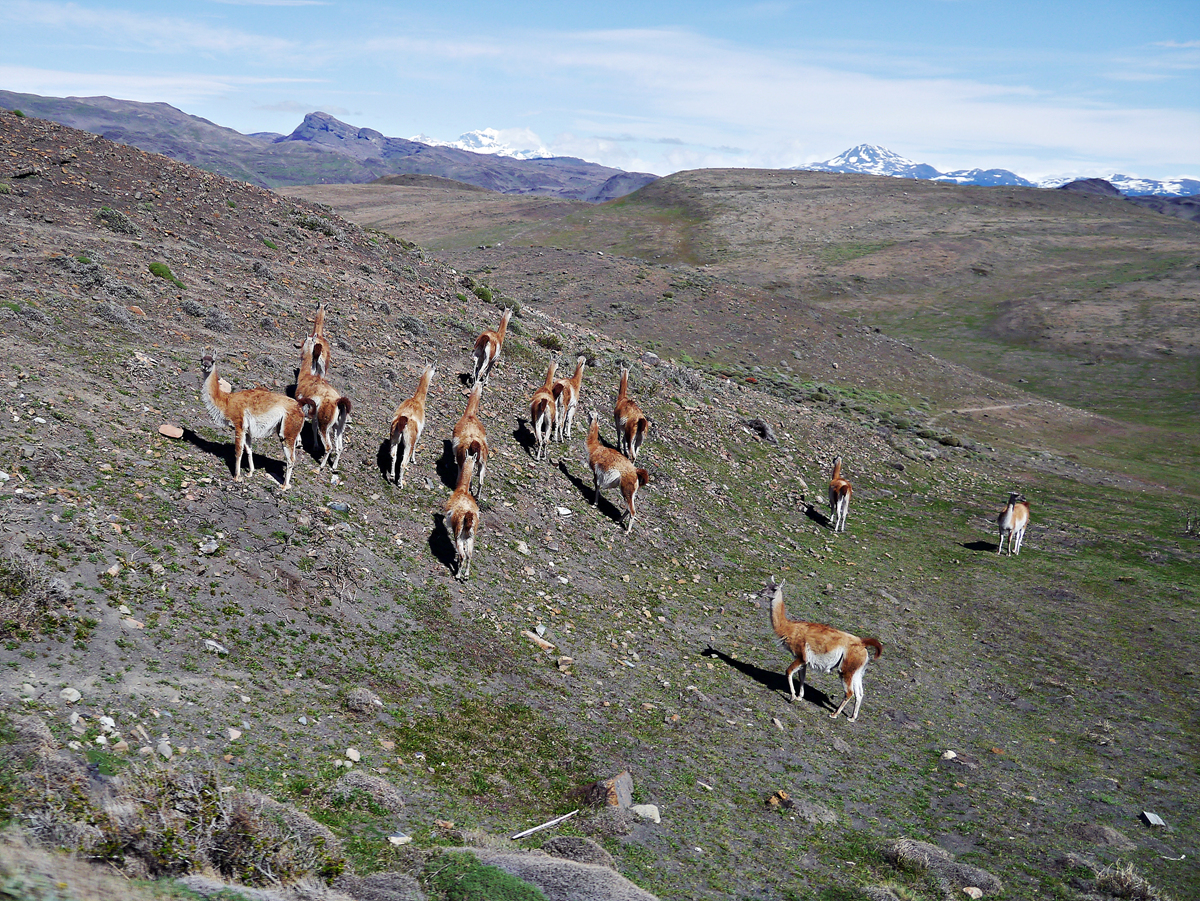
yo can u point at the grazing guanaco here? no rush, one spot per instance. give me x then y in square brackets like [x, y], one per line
[470, 438]
[839, 497]
[487, 350]
[566, 399]
[543, 413]
[825, 649]
[408, 423]
[632, 423]
[1012, 522]
[255, 413]
[333, 407]
[461, 520]
[611, 469]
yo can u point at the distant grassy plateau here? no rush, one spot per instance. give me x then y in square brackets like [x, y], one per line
[1043, 297]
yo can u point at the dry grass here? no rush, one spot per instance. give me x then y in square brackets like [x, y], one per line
[1120, 880]
[27, 595]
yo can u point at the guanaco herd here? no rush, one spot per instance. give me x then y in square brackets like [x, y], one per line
[257, 412]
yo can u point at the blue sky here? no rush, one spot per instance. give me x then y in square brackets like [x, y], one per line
[1041, 88]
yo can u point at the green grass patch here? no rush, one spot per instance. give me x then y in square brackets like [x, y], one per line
[163, 271]
[461, 877]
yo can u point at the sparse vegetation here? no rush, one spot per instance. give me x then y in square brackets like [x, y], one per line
[163, 271]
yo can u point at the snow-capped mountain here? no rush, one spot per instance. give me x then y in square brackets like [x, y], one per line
[868, 159]
[487, 140]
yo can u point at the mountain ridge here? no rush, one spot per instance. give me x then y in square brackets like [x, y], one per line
[321, 150]
[871, 159]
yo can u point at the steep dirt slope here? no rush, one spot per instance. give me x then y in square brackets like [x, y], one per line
[234, 624]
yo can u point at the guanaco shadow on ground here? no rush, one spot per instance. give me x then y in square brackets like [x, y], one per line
[446, 466]
[606, 507]
[440, 543]
[224, 451]
[981, 546]
[817, 516]
[770, 679]
[524, 436]
[383, 459]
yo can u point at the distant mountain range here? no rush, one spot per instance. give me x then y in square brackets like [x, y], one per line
[868, 159]
[322, 150]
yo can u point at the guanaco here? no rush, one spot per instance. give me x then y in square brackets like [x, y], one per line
[333, 407]
[632, 423]
[611, 469]
[825, 649]
[461, 520]
[566, 398]
[487, 350]
[408, 423]
[1013, 520]
[839, 497]
[255, 413]
[470, 437]
[543, 413]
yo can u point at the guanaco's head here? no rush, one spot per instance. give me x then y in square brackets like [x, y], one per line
[206, 364]
[1016, 498]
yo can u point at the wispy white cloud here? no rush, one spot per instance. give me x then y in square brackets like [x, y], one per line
[293, 106]
[122, 30]
[179, 87]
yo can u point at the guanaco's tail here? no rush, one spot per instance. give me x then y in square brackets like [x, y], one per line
[876, 644]
[343, 406]
[468, 524]
[643, 477]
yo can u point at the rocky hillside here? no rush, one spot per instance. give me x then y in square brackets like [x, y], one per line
[208, 675]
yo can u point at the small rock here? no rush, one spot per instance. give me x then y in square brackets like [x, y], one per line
[114, 570]
[522, 548]
[170, 430]
[399, 838]
[948, 755]
[215, 646]
[145, 750]
[563, 511]
[972, 892]
[778, 725]
[1152, 819]
[70, 695]
[647, 812]
[303, 721]
[234, 734]
[352, 754]
[28, 690]
[121, 746]
[210, 547]
[840, 745]
[164, 748]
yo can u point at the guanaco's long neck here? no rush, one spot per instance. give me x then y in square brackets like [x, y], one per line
[577, 378]
[473, 402]
[837, 470]
[423, 385]
[500, 332]
[550, 377]
[623, 390]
